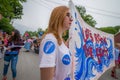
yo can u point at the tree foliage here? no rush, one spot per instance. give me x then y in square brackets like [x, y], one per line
[35, 33]
[40, 30]
[5, 25]
[111, 30]
[11, 9]
[86, 17]
[117, 28]
[65, 35]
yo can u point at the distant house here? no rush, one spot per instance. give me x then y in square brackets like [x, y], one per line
[117, 38]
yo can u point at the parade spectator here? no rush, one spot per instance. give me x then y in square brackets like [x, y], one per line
[1, 47]
[28, 44]
[55, 57]
[1, 44]
[5, 38]
[26, 35]
[36, 44]
[117, 61]
[11, 54]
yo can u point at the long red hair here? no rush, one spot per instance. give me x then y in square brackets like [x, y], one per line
[56, 21]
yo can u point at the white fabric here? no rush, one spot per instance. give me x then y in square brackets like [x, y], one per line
[89, 40]
[59, 58]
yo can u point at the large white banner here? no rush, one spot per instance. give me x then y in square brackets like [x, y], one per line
[93, 50]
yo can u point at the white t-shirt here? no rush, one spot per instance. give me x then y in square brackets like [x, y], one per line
[53, 55]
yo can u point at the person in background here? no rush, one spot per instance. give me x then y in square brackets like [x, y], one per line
[55, 57]
[36, 44]
[117, 61]
[1, 44]
[1, 47]
[5, 37]
[28, 44]
[11, 54]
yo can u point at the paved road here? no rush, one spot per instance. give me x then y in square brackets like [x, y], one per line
[28, 69]
[106, 75]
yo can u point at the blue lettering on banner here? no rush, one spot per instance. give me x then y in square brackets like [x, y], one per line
[66, 59]
[49, 47]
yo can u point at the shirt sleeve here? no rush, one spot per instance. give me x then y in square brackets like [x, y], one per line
[48, 51]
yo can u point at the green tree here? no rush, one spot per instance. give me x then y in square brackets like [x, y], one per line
[110, 30]
[34, 33]
[5, 25]
[65, 35]
[86, 17]
[11, 9]
[117, 28]
[40, 30]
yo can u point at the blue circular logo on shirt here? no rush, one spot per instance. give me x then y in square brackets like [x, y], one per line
[66, 59]
[49, 47]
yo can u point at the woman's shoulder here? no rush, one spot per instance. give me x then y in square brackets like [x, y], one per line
[50, 36]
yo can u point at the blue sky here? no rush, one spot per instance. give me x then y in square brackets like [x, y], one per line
[37, 12]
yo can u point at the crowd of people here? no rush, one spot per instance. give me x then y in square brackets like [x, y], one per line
[55, 56]
[32, 43]
[117, 61]
[10, 45]
[3, 41]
